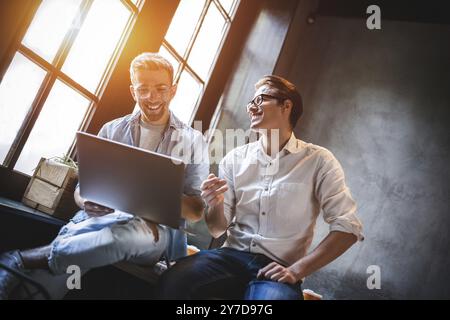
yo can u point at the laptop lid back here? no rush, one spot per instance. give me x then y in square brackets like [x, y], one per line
[130, 179]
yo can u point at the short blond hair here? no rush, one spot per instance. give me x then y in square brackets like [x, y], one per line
[150, 61]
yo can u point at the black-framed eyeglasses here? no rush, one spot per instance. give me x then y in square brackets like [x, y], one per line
[259, 99]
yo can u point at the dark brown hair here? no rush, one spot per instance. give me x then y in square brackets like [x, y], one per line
[286, 90]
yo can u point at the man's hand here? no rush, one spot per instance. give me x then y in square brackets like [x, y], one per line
[213, 189]
[91, 208]
[95, 210]
[192, 208]
[276, 272]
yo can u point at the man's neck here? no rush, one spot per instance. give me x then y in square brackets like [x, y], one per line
[160, 122]
[275, 140]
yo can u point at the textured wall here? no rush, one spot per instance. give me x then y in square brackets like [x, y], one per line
[380, 101]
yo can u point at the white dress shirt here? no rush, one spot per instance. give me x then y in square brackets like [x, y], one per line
[272, 204]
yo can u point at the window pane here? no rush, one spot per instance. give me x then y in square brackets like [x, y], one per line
[207, 42]
[166, 54]
[228, 5]
[184, 102]
[17, 91]
[49, 26]
[138, 3]
[55, 128]
[96, 42]
[183, 24]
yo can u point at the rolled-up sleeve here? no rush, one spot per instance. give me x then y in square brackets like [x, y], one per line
[229, 202]
[197, 169]
[339, 208]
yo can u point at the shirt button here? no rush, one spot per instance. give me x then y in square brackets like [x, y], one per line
[263, 213]
[253, 244]
[266, 189]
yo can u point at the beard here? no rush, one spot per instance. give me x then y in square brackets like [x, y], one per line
[154, 111]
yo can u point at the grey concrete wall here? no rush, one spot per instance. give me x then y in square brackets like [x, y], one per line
[380, 101]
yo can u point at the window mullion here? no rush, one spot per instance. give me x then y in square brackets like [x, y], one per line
[120, 45]
[37, 59]
[222, 11]
[180, 59]
[69, 39]
[59, 74]
[196, 31]
[44, 90]
[193, 73]
[77, 87]
[184, 58]
[131, 6]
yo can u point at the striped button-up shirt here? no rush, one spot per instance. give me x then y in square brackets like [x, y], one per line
[179, 141]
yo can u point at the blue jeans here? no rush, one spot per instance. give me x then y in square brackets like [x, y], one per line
[223, 273]
[91, 242]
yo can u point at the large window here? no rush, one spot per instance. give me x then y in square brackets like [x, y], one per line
[192, 43]
[57, 76]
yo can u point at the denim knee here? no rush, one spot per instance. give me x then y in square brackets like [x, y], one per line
[134, 239]
[69, 250]
[272, 290]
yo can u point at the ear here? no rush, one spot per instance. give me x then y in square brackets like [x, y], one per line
[288, 104]
[173, 91]
[133, 94]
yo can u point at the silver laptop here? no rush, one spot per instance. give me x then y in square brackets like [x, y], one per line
[130, 179]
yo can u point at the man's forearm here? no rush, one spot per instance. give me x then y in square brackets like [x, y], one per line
[78, 199]
[216, 221]
[192, 207]
[334, 245]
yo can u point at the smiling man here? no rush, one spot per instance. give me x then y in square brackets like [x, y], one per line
[99, 236]
[269, 214]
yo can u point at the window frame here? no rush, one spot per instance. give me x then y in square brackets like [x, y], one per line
[54, 72]
[183, 60]
[153, 21]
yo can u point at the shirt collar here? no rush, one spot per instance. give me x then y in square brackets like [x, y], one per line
[292, 146]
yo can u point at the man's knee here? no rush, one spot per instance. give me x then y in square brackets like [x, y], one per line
[189, 273]
[82, 250]
[272, 290]
[135, 239]
[123, 241]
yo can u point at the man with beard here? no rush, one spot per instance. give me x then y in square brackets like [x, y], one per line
[99, 236]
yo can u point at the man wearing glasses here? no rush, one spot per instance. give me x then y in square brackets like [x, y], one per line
[269, 214]
[98, 236]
